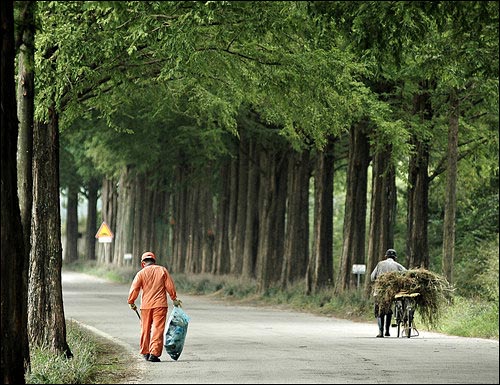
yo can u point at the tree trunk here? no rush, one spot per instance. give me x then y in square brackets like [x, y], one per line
[279, 220]
[271, 219]
[296, 247]
[222, 260]
[91, 226]
[251, 216]
[124, 232]
[241, 209]
[353, 249]
[71, 249]
[25, 113]
[46, 322]
[207, 214]
[320, 266]
[417, 250]
[139, 199]
[145, 228]
[161, 230]
[109, 215]
[382, 213]
[13, 256]
[194, 229]
[177, 222]
[451, 190]
[233, 204]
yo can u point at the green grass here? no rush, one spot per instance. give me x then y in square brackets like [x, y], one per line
[471, 318]
[94, 361]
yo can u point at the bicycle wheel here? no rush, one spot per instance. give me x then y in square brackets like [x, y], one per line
[409, 323]
[399, 317]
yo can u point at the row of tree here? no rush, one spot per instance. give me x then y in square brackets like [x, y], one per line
[394, 107]
[217, 126]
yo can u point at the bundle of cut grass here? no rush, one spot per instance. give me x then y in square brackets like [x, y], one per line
[435, 291]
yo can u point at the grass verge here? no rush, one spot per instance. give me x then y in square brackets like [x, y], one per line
[95, 360]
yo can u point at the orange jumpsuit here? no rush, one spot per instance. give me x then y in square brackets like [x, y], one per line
[155, 282]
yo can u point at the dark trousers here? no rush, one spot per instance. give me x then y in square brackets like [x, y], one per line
[383, 319]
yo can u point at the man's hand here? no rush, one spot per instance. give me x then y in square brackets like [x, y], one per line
[177, 302]
[132, 306]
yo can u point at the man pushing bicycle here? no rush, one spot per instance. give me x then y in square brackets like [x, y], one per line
[387, 265]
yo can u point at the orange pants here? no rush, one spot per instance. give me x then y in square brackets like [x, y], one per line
[152, 329]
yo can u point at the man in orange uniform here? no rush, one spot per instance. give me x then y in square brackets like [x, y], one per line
[155, 282]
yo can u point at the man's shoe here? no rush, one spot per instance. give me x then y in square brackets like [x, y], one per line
[146, 356]
[153, 358]
[380, 335]
[387, 334]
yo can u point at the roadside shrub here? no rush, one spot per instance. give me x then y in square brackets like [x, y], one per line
[470, 318]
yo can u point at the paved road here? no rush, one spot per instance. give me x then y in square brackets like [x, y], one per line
[244, 344]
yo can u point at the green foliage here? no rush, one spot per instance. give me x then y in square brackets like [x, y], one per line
[471, 318]
[156, 85]
[476, 270]
[68, 168]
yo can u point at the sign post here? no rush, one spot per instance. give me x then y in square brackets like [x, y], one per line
[128, 258]
[358, 270]
[105, 235]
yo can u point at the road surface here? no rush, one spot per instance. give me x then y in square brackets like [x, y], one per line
[226, 343]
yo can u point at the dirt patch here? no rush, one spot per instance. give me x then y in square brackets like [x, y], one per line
[114, 365]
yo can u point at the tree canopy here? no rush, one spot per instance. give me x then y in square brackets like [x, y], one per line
[152, 85]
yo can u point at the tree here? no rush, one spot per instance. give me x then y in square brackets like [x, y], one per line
[354, 234]
[382, 211]
[13, 257]
[70, 182]
[417, 249]
[25, 107]
[320, 265]
[302, 78]
[473, 28]
[45, 302]
[25, 111]
[87, 178]
[450, 199]
[92, 194]
[296, 248]
[273, 187]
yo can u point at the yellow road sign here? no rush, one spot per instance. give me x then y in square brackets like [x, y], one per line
[104, 231]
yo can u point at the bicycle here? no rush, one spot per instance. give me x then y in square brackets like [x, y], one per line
[404, 310]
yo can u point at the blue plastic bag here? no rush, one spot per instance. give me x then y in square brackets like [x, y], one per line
[176, 332]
